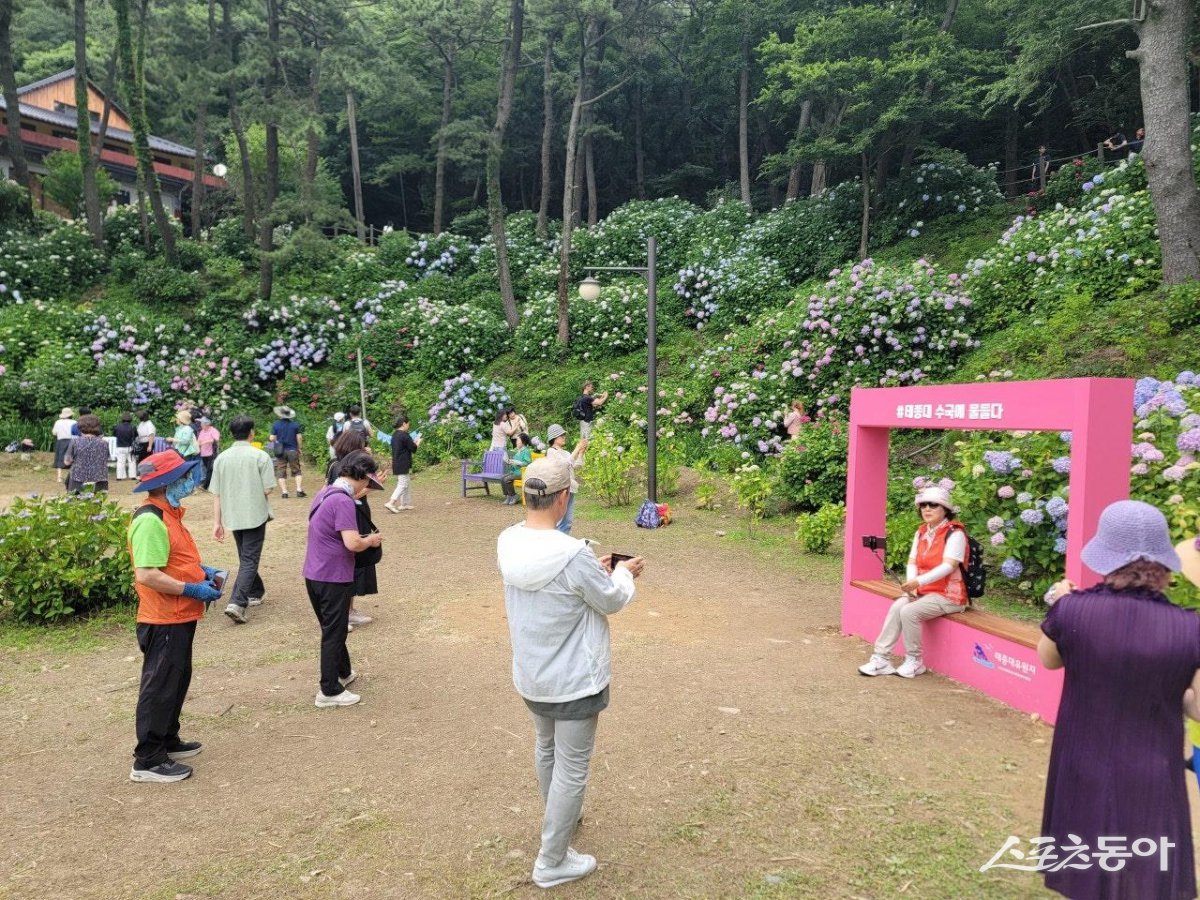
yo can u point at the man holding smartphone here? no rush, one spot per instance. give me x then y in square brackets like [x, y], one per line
[558, 597]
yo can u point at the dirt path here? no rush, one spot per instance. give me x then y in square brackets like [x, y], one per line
[742, 755]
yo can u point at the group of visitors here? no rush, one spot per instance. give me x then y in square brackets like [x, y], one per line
[1132, 662]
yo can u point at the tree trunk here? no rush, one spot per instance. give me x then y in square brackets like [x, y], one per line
[443, 144]
[569, 175]
[235, 122]
[914, 138]
[356, 167]
[1163, 40]
[199, 131]
[639, 143]
[312, 137]
[864, 232]
[266, 227]
[744, 121]
[1012, 159]
[589, 168]
[110, 88]
[794, 176]
[8, 84]
[83, 130]
[819, 175]
[881, 175]
[504, 105]
[547, 134]
[131, 71]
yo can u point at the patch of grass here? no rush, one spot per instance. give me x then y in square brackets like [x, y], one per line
[81, 635]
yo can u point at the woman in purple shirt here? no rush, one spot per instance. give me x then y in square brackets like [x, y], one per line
[333, 539]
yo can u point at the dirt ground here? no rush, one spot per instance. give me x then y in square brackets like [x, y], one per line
[742, 755]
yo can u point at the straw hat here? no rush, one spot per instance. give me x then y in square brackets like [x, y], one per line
[66, 413]
[1130, 530]
[285, 412]
[183, 417]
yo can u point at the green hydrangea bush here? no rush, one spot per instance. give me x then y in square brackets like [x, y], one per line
[63, 556]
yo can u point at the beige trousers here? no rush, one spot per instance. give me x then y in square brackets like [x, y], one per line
[904, 620]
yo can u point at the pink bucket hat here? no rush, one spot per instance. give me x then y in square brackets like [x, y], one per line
[937, 495]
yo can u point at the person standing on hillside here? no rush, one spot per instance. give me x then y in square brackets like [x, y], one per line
[585, 408]
[404, 445]
[242, 480]
[146, 435]
[125, 435]
[174, 588]
[209, 440]
[286, 435]
[184, 440]
[558, 597]
[63, 430]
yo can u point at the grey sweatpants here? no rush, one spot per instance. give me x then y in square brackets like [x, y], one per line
[560, 756]
[905, 618]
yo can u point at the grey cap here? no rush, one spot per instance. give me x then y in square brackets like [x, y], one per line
[1130, 530]
[547, 475]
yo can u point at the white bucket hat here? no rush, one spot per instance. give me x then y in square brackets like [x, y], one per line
[937, 495]
[555, 431]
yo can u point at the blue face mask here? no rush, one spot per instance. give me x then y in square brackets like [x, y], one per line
[185, 486]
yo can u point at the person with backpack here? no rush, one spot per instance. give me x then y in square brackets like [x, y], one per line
[334, 431]
[935, 585]
[174, 589]
[584, 409]
[358, 423]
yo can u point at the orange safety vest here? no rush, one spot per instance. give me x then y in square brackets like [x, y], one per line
[930, 555]
[155, 608]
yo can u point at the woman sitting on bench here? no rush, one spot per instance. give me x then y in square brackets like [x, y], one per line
[934, 585]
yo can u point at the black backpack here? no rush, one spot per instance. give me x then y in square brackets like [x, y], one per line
[973, 572]
[581, 409]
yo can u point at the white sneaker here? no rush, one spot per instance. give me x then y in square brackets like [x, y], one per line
[255, 601]
[349, 679]
[911, 668]
[877, 665]
[357, 618]
[574, 866]
[345, 698]
[410, 506]
[388, 506]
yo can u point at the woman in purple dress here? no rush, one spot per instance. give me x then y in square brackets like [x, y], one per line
[1116, 778]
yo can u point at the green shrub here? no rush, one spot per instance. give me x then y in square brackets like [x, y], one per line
[63, 182]
[817, 531]
[54, 265]
[812, 468]
[157, 283]
[752, 487]
[943, 186]
[192, 254]
[14, 206]
[61, 556]
[611, 325]
[228, 238]
[809, 236]
[612, 468]
[620, 239]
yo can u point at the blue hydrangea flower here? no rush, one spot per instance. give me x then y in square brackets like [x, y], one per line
[1061, 465]
[1056, 507]
[1060, 545]
[1024, 497]
[1033, 516]
[1012, 568]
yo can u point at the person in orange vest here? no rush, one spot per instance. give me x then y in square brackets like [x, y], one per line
[174, 589]
[934, 585]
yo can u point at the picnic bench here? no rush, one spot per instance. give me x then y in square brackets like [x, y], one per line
[986, 651]
[490, 471]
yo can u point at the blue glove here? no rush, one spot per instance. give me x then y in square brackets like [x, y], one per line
[209, 571]
[201, 590]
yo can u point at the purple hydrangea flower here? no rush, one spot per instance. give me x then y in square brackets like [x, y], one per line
[1189, 441]
[1061, 465]
[998, 538]
[1012, 568]
[1060, 545]
[1033, 516]
[1056, 507]
[995, 523]
[1024, 497]
[1006, 492]
[1174, 473]
[1001, 461]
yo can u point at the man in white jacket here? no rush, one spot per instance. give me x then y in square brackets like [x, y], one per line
[558, 597]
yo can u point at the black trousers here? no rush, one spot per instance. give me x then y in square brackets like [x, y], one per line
[208, 462]
[166, 675]
[249, 547]
[331, 602]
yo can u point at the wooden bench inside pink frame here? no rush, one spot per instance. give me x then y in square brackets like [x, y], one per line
[982, 650]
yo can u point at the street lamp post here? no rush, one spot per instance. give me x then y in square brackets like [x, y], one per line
[589, 289]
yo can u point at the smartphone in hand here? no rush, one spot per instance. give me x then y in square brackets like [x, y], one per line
[219, 579]
[616, 558]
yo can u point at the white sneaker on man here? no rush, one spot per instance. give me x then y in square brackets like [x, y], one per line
[345, 698]
[911, 668]
[877, 665]
[573, 867]
[390, 508]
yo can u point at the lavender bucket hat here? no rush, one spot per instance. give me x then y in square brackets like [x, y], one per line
[1130, 530]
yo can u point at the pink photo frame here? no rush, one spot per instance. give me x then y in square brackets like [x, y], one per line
[1000, 661]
